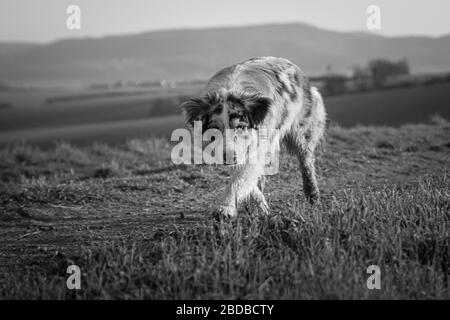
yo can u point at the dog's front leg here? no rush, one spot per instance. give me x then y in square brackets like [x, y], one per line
[243, 185]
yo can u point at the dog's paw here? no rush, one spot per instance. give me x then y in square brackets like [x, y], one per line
[224, 212]
[260, 203]
[313, 197]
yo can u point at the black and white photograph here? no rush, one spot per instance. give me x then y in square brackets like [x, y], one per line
[245, 152]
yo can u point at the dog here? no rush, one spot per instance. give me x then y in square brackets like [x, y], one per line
[264, 92]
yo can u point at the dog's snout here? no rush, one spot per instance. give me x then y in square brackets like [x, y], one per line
[229, 157]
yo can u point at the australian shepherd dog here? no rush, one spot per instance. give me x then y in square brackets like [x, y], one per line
[261, 94]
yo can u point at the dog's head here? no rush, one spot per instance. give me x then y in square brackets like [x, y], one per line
[230, 112]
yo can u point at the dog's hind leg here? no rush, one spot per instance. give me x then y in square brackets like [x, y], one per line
[300, 145]
[308, 169]
[302, 140]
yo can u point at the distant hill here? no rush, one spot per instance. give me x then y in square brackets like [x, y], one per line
[197, 54]
[13, 48]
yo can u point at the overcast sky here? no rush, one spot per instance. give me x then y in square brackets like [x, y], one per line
[45, 20]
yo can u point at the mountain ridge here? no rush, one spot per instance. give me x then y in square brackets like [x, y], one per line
[190, 54]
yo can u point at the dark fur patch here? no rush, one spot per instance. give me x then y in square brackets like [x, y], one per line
[215, 101]
[281, 87]
[205, 121]
[256, 108]
[195, 109]
[296, 79]
[214, 98]
[293, 94]
[200, 109]
[284, 115]
[308, 135]
[235, 100]
[291, 143]
[217, 110]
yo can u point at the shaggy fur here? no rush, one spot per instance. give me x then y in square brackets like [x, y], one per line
[262, 92]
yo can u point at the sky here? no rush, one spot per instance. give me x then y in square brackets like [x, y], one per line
[45, 20]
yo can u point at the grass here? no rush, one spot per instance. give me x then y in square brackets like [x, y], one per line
[139, 227]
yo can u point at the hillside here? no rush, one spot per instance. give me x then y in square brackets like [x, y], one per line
[139, 227]
[84, 116]
[197, 54]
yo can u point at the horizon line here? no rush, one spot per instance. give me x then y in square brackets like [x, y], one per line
[199, 28]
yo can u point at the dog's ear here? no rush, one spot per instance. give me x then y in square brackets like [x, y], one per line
[194, 110]
[257, 109]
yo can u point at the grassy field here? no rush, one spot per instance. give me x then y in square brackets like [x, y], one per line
[139, 227]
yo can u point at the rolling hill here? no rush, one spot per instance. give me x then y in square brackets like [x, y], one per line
[197, 54]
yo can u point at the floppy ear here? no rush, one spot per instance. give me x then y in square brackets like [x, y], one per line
[257, 108]
[194, 110]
